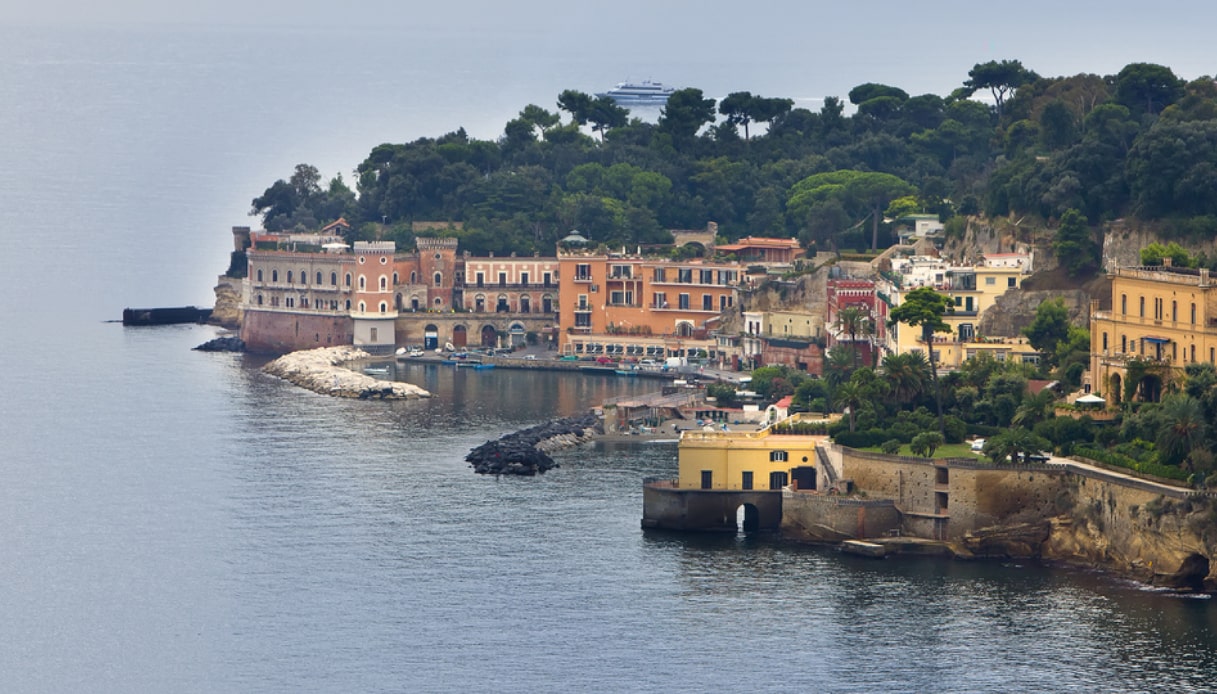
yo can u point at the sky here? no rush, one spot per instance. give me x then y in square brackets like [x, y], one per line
[921, 47]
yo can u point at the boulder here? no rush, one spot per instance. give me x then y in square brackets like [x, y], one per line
[321, 371]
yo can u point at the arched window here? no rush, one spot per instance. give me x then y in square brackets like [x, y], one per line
[304, 277]
[1193, 314]
[362, 283]
[260, 276]
[348, 305]
[384, 307]
[259, 299]
[438, 302]
[289, 276]
[362, 307]
[334, 278]
[1142, 307]
[439, 279]
[1124, 304]
[319, 280]
[413, 277]
[395, 279]
[384, 283]
[274, 275]
[348, 279]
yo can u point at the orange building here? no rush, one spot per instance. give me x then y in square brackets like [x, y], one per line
[631, 306]
[763, 251]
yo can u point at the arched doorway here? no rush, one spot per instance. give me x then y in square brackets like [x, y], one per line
[518, 335]
[490, 336]
[430, 337]
[1149, 389]
[684, 329]
[460, 336]
[747, 518]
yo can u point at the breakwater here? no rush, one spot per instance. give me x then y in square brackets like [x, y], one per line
[321, 371]
[526, 452]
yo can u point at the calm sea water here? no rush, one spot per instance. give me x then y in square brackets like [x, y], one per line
[177, 521]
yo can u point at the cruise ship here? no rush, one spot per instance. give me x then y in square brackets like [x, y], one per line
[644, 92]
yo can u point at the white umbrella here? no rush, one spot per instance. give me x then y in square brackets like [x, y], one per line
[1090, 399]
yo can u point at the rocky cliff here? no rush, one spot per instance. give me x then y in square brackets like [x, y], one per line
[227, 311]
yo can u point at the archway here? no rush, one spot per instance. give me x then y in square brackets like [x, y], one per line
[430, 337]
[490, 336]
[518, 335]
[460, 336]
[1117, 389]
[747, 518]
[1149, 388]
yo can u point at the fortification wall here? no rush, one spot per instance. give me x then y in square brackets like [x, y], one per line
[820, 518]
[280, 332]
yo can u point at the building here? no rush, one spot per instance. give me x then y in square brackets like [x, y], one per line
[763, 251]
[633, 306]
[972, 290]
[1162, 318]
[861, 296]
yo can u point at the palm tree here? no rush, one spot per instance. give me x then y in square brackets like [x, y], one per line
[906, 375]
[1183, 428]
[849, 395]
[852, 320]
[1034, 409]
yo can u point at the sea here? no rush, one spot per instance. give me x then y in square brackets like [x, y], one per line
[177, 521]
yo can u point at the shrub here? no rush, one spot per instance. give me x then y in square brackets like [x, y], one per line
[891, 446]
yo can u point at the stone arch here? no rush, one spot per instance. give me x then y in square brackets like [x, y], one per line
[747, 518]
[684, 328]
[489, 336]
[430, 336]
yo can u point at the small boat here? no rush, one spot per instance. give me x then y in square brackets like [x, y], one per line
[626, 372]
[482, 367]
[644, 92]
[376, 370]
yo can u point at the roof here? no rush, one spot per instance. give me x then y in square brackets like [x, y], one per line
[784, 403]
[759, 242]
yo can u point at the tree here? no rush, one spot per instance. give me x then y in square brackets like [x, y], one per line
[853, 320]
[604, 114]
[1050, 326]
[685, 112]
[923, 307]
[1182, 430]
[1014, 446]
[876, 190]
[849, 396]
[1148, 86]
[1073, 245]
[737, 107]
[906, 375]
[1001, 79]
[925, 443]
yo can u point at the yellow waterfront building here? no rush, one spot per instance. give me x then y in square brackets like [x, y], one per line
[1162, 318]
[769, 459]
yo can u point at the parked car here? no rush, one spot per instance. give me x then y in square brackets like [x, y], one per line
[530, 357]
[978, 446]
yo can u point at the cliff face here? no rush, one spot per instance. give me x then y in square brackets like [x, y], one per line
[1015, 310]
[227, 312]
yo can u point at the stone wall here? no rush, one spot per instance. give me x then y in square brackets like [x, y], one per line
[280, 332]
[666, 507]
[822, 518]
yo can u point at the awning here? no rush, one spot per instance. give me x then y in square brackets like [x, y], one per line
[1090, 399]
[1158, 340]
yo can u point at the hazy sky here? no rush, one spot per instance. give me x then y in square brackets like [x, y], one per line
[920, 46]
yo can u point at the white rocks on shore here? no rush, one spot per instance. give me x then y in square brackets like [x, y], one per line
[321, 371]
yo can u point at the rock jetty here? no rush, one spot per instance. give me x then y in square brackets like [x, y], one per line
[526, 452]
[223, 344]
[321, 371]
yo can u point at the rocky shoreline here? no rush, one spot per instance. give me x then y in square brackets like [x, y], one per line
[321, 371]
[526, 452]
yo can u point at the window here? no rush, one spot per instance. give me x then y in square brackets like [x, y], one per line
[362, 307]
[684, 301]
[525, 304]
[347, 279]
[1193, 314]
[707, 479]
[1010, 281]
[274, 275]
[990, 281]
[334, 279]
[413, 277]
[384, 306]
[384, 283]
[439, 279]
[706, 276]
[777, 456]
[724, 302]
[777, 480]
[260, 276]
[289, 276]
[1104, 342]
[363, 283]
[1142, 302]
[259, 299]
[621, 298]
[374, 334]
[502, 279]
[583, 320]
[661, 275]
[685, 276]
[746, 482]
[1124, 304]
[660, 300]
[582, 304]
[1174, 311]
[707, 302]
[583, 272]
[395, 279]
[1123, 343]
[524, 278]
[319, 278]
[481, 279]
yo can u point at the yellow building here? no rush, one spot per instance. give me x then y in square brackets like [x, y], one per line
[1161, 319]
[743, 461]
[972, 291]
